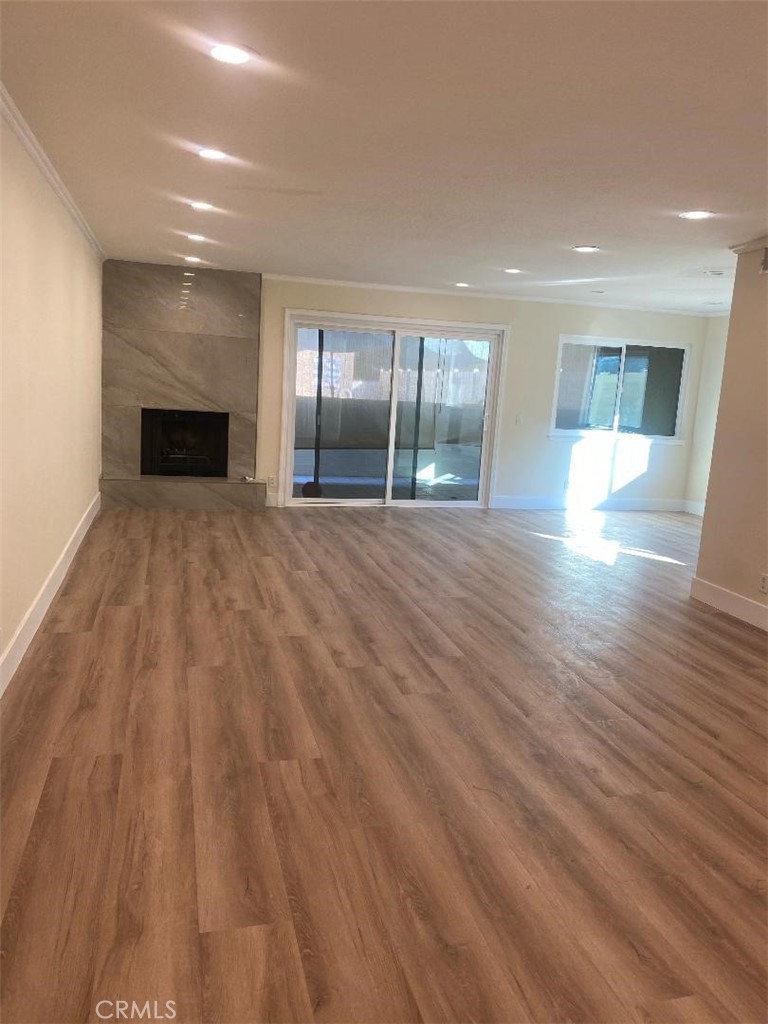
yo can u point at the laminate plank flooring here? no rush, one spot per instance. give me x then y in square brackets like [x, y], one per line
[49, 919]
[373, 765]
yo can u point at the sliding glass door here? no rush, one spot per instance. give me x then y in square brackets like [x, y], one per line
[361, 433]
[441, 404]
[343, 399]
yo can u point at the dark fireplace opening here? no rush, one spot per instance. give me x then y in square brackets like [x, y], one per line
[178, 442]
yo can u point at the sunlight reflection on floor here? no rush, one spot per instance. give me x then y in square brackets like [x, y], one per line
[584, 537]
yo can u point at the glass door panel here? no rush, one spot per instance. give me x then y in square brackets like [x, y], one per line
[442, 387]
[343, 398]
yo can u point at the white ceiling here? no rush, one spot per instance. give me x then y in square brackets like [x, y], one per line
[412, 143]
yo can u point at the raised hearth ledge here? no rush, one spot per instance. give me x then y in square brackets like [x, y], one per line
[185, 492]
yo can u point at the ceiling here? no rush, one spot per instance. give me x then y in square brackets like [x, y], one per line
[413, 144]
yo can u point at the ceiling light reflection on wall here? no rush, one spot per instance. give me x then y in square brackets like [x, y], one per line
[228, 54]
[211, 154]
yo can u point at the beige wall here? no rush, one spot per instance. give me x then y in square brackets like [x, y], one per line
[734, 543]
[710, 381]
[51, 352]
[529, 464]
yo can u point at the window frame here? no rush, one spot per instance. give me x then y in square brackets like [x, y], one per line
[599, 341]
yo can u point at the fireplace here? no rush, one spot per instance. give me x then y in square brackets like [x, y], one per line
[179, 442]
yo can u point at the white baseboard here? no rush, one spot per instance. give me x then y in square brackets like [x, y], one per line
[21, 639]
[740, 607]
[696, 508]
[522, 502]
[609, 505]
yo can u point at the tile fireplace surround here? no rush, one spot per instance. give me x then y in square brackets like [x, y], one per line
[204, 357]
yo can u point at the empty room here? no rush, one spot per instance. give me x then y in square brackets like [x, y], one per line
[384, 511]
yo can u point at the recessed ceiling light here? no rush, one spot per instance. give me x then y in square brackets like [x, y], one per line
[212, 154]
[462, 284]
[228, 54]
[696, 214]
[196, 238]
[189, 273]
[585, 248]
[196, 204]
[512, 270]
[192, 259]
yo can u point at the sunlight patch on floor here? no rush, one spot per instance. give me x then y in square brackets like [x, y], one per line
[603, 464]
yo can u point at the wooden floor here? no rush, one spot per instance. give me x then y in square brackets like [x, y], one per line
[383, 766]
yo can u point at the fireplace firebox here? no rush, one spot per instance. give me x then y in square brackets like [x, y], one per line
[178, 442]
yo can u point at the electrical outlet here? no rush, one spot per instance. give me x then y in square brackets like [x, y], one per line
[764, 583]
[272, 483]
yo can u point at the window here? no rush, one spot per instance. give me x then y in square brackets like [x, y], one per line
[618, 386]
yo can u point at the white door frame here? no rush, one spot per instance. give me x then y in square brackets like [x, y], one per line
[399, 327]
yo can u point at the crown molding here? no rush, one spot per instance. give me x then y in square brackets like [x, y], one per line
[751, 246]
[471, 293]
[15, 120]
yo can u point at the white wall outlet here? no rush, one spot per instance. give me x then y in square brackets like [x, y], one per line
[764, 583]
[272, 483]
